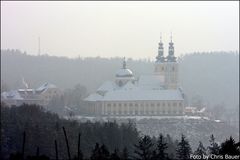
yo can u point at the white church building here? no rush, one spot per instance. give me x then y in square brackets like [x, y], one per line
[148, 95]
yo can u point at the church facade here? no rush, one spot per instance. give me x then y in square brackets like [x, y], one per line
[157, 94]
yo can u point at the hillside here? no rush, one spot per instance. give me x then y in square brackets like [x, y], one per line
[207, 76]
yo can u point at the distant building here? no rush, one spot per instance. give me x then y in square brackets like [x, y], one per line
[154, 95]
[40, 96]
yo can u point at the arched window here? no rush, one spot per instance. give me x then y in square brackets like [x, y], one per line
[120, 83]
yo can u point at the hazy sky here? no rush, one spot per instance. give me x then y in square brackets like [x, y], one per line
[110, 29]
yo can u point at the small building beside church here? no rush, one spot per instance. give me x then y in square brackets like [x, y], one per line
[40, 96]
[148, 95]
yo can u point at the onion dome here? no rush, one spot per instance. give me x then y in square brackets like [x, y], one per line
[124, 72]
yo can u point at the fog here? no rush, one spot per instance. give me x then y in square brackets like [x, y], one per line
[110, 29]
[62, 67]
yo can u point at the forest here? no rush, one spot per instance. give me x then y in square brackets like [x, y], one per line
[30, 132]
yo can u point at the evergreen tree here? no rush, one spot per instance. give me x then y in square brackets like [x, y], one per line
[183, 149]
[201, 150]
[96, 154]
[125, 154]
[143, 149]
[154, 155]
[229, 147]
[161, 148]
[115, 155]
[214, 147]
[171, 147]
[100, 153]
[104, 153]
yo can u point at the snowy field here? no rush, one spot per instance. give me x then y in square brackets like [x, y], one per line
[195, 128]
[135, 118]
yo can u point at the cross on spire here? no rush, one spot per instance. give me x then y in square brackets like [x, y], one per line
[171, 37]
[160, 36]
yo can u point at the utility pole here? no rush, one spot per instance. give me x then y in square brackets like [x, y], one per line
[39, 46]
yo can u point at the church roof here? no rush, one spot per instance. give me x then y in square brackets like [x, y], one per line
[123, 72]
[150, 82]
[94, 97]
[128, 86]
[142, 95]
[107, 86]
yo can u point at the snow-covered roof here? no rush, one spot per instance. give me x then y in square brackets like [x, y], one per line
[123, 72]
[46, 86]
[137, 95]
[107, 86]
[11, 95]
[129, 86]
[150, 81]
[94, 97]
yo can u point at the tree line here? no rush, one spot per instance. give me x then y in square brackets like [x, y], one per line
[29, 132]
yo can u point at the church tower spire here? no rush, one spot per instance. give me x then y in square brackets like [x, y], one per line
[171, 57]
[160, 57]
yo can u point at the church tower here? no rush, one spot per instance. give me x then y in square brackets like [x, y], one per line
[171, 68]
[160, 61]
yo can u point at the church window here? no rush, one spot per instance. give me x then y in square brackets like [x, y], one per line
[120, 83]
[125, 110]
[152, 109]
[120, 112]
